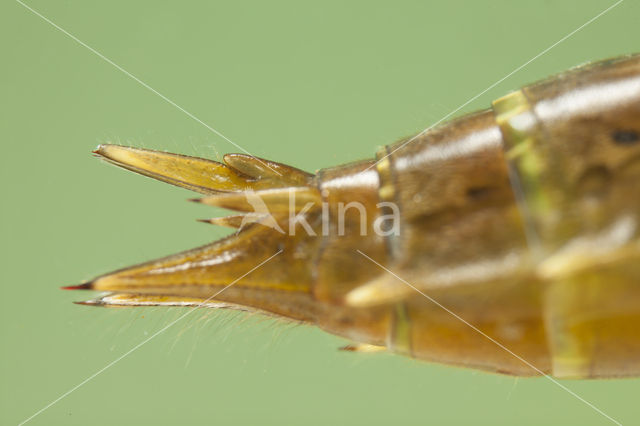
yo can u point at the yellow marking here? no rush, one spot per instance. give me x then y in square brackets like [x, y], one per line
[386, 191]
[537, 194]
[381, 290]
[401, 331]
[536, 162]
[519, 150]
[571, 345]
[519, 128]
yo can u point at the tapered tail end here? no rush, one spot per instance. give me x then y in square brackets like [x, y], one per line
[264, 267]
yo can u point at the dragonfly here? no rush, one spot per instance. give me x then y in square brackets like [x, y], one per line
[506, 240]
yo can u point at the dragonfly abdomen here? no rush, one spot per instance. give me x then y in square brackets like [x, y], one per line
[505, 240]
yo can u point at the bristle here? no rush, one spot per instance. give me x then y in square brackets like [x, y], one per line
[84, 286]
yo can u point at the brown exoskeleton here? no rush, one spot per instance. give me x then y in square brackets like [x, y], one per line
[520, 222]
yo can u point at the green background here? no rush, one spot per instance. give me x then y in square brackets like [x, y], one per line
[312, 84]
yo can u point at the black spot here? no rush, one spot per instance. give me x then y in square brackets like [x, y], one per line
[625, 137]
[478, 192]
